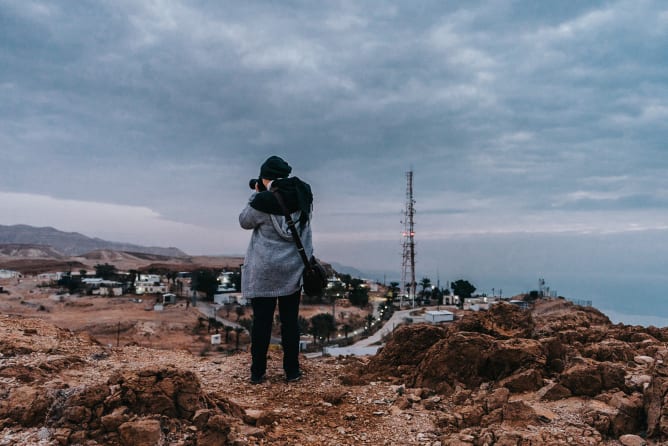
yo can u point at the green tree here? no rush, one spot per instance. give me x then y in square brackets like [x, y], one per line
[236, 280]
[228, 329]
[238, 331]
[206, 281]
[356, 283]
[392, 292]
[240, 311]
[304, 325]
[335, 291]
[359, 297]
[369, 321]
[132, 277]
[346, 279]
[426, 292]
[106, 271]
[385, 310]
[322, 325]
[71, 283]
[247, 323]
[462, 288]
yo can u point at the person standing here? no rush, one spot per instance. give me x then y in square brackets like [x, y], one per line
[272, 268]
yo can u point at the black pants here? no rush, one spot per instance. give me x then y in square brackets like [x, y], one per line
[263, 318]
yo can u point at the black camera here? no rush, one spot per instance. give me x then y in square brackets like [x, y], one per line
[257, 181]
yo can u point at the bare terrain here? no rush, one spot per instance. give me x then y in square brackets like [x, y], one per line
[558, 375]
[43, 260]
[107, 371]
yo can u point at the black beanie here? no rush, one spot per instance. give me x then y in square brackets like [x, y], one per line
[275, 167]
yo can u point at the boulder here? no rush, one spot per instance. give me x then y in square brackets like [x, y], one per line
[556, 353]
[473, 358]
[216, 432]
[656, 403]
[519, 412]
[591, 378]
[615, 415]
[141, 433]
[167, 391]
[523, 381]
[632, 440]
[471, 415]
[504, 321]
[496, 399]
[553, 391]
[612, 375]
[112, 421]
[27, 406]
[395, 359]
[631, 415]
[609, 350]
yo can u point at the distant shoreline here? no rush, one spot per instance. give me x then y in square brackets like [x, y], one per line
[634, 319]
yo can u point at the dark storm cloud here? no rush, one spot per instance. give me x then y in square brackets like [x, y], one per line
[501, 108]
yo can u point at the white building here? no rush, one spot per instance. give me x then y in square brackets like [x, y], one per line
[520, 303]
[225, 289]
[334, 281]
[149, 284]
[101, 287]
[47, 277]
[9, 274]
[437, 316]
[371, 285]
[229, 298]
[226, 283]
[169, 298]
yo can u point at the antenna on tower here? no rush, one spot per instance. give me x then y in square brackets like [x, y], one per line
[408, 258]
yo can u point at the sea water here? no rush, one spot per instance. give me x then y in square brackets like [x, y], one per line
[632, 298]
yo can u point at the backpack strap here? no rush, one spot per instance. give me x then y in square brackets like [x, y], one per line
[293, 228]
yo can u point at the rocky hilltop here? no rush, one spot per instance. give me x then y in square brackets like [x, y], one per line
[557, 374]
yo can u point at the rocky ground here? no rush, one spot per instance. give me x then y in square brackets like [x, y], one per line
[555, 375]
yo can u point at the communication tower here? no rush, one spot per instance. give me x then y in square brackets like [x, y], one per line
[408, 258]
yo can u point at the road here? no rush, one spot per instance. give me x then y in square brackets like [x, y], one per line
[371, 344]
[208, 309]
[398, 317]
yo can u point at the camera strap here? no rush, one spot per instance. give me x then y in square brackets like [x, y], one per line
[293, 228]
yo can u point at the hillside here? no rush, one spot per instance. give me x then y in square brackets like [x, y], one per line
[72, 243]
[556, 375]
[29, 251]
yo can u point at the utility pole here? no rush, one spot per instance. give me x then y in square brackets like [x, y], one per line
[408, 257]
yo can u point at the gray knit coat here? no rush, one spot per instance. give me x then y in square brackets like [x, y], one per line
[272, 266]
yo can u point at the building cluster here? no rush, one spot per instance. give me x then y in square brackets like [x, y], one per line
[9, 274]
[227, 293]
[168, 287]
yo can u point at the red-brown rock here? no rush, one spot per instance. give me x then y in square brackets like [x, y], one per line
[502, 321]
[141, 433]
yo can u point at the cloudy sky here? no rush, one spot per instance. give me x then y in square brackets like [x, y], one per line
[536, 130]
